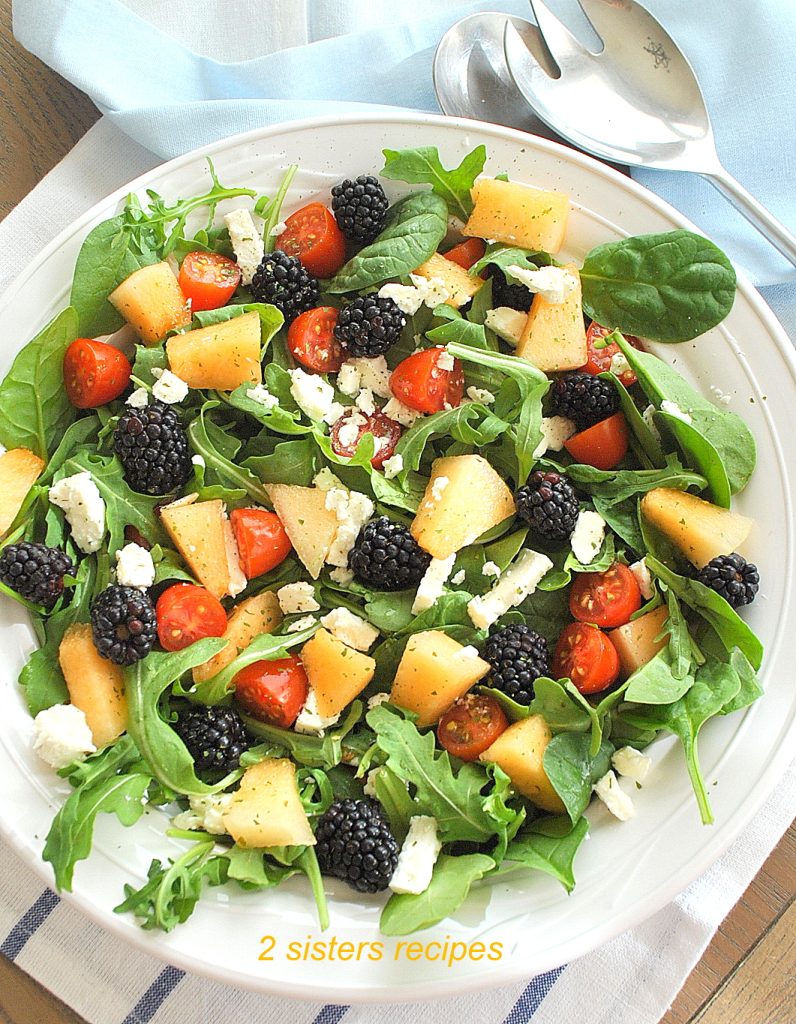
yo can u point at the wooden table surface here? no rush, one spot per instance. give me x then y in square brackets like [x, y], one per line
[748, 973]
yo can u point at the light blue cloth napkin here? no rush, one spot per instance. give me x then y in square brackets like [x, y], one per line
[180, 74]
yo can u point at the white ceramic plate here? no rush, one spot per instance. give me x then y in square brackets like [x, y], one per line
[625, 872]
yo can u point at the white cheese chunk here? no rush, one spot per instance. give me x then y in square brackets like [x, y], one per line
[311, 394]
[310, 721]
[396, 410]
[507, 323]
[720, 395]
[62, 735]
[417, 857]
[279, 229]
[82, 504]
[169, 388]
[198, 460]
[648, 415]
[619, 364]
[393, 466]
[364, 402]
[206, 812]
[369, 789]
[517, 582]
[246, 241]
[432, 583]
[631, 763]
[458, 578]
[555, 431]
[373, 373]
[350, 629]
[674, 409]
[353, 510]
[643, 578]
[439, 485]
[445, 361]
[554, 284]
[341, 576]
[422, 291]
[260, 394]
[297, 598]
[139, 399]
[134, 566]
[376, 699]
[490, 569]
[348, 379]
[479, 395]
[237, 577]
[348, 432]
[303, 623]
[336, 410]
[588, 536]
[614, 797]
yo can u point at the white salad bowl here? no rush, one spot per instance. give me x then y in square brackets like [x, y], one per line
[626, 871]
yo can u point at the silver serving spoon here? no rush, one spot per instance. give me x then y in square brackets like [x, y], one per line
[636, 101]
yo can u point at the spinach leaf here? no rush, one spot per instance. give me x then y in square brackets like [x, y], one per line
[656, 683]
[422, 166]
[291, 462]
[670, 286]
[253, 869]
[450, 883]
[34, 408]
[415, 228]
[504, 256]
[550, 700]
[550, 845]
[622, 517]
[233, 475]
[701, 453]
[618, 485]
[270, 318]
[681, 645]
[724, 432]
[750, 689]
[147, 359]
[647, 445]
[572, 769]
[80, 433]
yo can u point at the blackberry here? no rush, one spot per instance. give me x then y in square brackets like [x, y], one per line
[35, 571]
[584, 398]
[282, 280]
[124, 624]
[737, 580]
[369, 326]
[387, 557]
[515, 296]
[354, 843]
[215, 737]
[153, 448]
[518, 656]
[547, 503]
[360, 207]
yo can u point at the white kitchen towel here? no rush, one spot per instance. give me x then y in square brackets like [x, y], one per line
[631, 980]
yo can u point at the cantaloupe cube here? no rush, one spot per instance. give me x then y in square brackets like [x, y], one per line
[699, 529]
[198, 532]
[222, 356]
[433, 672]
[248, 620]
[19, 471]
[95, 685]
[521, 215]
[151, 301]
[519, 751]
[266, 810]
[461, 285]
[554, 337]
[309, 524]
[464, 498]
[635, 642]
[336, 673]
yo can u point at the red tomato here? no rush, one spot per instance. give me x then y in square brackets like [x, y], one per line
[605, 598]
[187, 613]
[599, 359]
[586, 655]
[467, 253]
[262, 541]
[386, 433]
[471, 725]
[312, 234]
[273, 691]
[312, 343]
[419, 382]
[603, 446]
[208, 279]
[94, 373]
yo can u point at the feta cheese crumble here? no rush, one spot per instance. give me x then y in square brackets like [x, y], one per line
[396, 410]
[417, 857]
[490, 569]
[432, 583]
[169, 388]
[555, 431]
[648, 415]
[554, 284]
[139, 399]
[479, 395]
[198, 460]
[631, 763]
[206, 812]
[82, 504]
[643, 578]
[426, 291]
[721, 396]
[507, 323]
[393, 466]
[341, 576]
[246, 242]
[134, 566]
[260, 394]
[364, 402]
[445, 361]
[62, 735]
[311, 394]
[350, 629]
[376, 699]
[588, 536]
[458, 578]
[297, 598]
[674, 409]
[303, 623]
[517, 582]
[439, 485]
[310, 721]
[614, 797]
[348, 433]
[619, 364]
[348, 379]
[353, 510]
[373, 373]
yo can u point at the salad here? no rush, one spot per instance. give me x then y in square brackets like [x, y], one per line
[371, 543]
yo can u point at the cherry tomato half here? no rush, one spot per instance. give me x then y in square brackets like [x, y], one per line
[585, 655]
[94, 373]
[422, 384]
[607, 598]
[467, 253]
[273, 691]
[471, 725]
[187, 613]
[262, 541]
[603, 446]
[599, 359]
[312, 343]
[386, 433]
[312, 234]
[208, 279]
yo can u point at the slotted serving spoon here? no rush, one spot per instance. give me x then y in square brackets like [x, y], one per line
[636, 101]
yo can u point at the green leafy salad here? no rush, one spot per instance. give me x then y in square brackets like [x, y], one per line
[371, 544]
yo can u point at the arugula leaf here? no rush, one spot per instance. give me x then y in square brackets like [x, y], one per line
[681, 644]
[415, 227]
[472, 424]
[550, 845]
[451, 881]
[572, 770]
[618, 485]
[291, 462]
[392, 794]
[234, 476]
[670, 286]
[34, 408]
[422, 166]
[283, 418]
[504, 256]
[313, 751]
[80, 433]
[253, 869]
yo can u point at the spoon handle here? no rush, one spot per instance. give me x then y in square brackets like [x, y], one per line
[755, 213]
